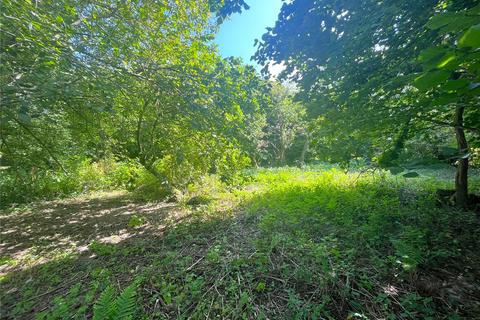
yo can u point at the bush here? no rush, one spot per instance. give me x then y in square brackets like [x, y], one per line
[147, 187]
[23, 186]
[83, 175]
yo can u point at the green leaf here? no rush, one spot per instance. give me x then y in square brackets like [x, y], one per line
[461, 23]
[471, 38]
[447, 60]
[431, 79]
[260, 286]
[103, 306]
[435, 57]
[431, 53]
[444, 99]
[452, 21]
[452, 85]
[475, 10]
[167, 297]
[441, 20]
[396, 170]
[135, 221]
[411, 175]
[126, 302]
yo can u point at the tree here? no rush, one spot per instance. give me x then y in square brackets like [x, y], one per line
[356, 64]
[138, 79]
[451, 79]
[284, 122]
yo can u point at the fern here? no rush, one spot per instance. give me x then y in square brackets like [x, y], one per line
[122, 307]
[125, 303]
[103, 306]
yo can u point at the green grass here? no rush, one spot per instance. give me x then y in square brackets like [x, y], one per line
[286, 244]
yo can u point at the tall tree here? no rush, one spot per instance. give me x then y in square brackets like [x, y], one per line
[285, 121]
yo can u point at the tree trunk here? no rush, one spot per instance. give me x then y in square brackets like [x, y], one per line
[461, 177]
[304, 151]
[281, 154]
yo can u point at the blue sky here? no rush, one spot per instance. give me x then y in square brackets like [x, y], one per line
[236, 36]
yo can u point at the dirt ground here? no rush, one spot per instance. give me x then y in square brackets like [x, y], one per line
[72, 225]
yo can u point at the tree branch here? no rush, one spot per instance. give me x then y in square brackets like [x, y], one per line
[448, 124]
[42, 144]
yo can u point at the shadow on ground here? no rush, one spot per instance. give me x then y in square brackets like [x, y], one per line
[74, 224]
[51, 244]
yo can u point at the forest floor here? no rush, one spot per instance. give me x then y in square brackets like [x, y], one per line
[283, 244]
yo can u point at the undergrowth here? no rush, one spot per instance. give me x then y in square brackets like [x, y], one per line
[21, 186]
[284, 244]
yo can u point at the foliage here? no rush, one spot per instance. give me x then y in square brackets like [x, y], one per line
[21, 185]
[133, 95]
[109, 307]
[285, 122]
[102, 249]
[136, 80]
[317, 242]
[374, 74]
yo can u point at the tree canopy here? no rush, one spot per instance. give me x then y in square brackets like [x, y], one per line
[376, 73]
[137, 79]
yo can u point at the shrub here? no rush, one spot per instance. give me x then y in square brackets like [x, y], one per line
[82, 175]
